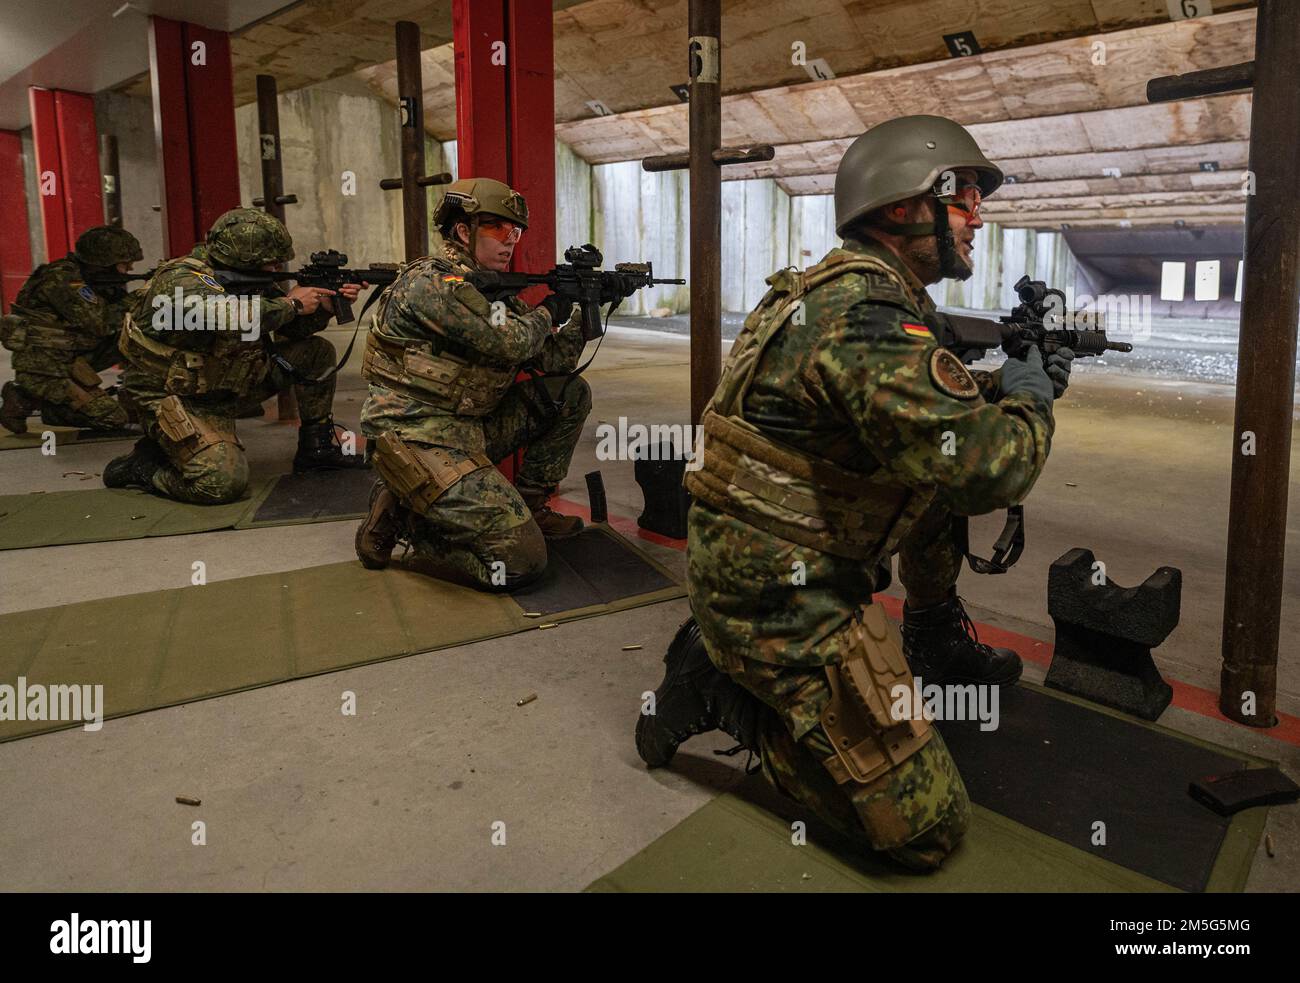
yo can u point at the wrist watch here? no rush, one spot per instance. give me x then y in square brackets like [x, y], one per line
[297, 304]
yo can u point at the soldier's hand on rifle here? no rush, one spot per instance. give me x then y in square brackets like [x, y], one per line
[560, 308]
[1058, 370]
[310, 298]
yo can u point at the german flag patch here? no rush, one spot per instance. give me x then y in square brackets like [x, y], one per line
[918, 331]
[452, 278]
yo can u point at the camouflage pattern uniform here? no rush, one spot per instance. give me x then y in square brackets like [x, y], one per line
[858, 382]
[69, 335]
[208, 467]
[471, 525]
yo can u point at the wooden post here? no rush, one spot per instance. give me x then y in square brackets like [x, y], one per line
[1270, 310]
[704, 48]
[112, 175]
[272, 200]
[410, 95]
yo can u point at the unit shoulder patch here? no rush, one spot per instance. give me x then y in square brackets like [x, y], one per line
[88, 295]
[950, 377]
[210, 282]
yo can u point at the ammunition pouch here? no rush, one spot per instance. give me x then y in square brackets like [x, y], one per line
[186, 373]
[442, 380]
[867, 738]
[188, 432]
[18, 333]
[419, 474]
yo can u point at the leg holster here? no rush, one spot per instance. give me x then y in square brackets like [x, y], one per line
[419, 474]
[868, 740]
[83, 374]
[188, 432]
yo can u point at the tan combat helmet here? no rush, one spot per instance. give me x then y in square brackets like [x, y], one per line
[481, 196]
[905, 157]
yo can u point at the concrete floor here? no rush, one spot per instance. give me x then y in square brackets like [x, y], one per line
[405, 794]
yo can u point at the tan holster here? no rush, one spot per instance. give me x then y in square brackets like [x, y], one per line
[418, 474]
[868, 740]
[189, 432]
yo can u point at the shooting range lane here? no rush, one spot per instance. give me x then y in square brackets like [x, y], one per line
[1039, 782]
[97, 515]
[278, 629]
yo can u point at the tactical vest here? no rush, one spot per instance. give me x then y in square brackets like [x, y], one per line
[782, 489]
[232, 366]
[441, 379]
[21, 330]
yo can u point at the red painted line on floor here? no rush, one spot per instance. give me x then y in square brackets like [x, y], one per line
[1186, 696]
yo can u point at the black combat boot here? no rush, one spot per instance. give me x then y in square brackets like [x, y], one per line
[695, 697]
[135, 470]
[377, 535]
[15, 407]
[941, 646]
[319, 449]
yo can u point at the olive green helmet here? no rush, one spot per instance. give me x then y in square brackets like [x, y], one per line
[107, 245]
[481, 196]
[248, 238]
[902, 158]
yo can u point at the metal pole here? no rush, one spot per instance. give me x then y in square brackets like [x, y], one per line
[410, 93]
[112, 174]
[1270, 310]
[704, 46]
[268, 131]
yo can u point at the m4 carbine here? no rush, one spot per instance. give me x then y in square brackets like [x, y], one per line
[580, 280]
[327, 269]
[1039, 320]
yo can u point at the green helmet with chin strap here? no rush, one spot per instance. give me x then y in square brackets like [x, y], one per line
[906, 157]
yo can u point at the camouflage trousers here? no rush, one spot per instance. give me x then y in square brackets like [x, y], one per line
[929, 558]
[916, 812]
[479, 532]
[66, 388]
[218, 473]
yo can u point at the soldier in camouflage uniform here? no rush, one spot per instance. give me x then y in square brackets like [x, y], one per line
[444, 404]
[191, 380]
[839, 435]
[63, 332]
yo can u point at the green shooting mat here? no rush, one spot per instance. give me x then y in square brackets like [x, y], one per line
[175, 646]
[98, 515]
[62, 435]
[1054, 766]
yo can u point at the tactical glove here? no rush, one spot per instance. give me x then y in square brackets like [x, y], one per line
[1058, 369]
[1027, 376]
[560, 308]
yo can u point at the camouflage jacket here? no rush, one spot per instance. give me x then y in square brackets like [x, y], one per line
[57, 296]
[852, 382]
[431, 303]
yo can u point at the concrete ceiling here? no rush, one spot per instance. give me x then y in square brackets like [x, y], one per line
[93, 44]
[1049, 114]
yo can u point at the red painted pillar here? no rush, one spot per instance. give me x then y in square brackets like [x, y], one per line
[15, 249]
[505, 116]
[194, 128]
[505, 109]
[67, 166]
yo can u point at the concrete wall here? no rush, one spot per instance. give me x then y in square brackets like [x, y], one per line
[130, 119]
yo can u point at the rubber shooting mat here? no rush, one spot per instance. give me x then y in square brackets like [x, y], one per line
[34, 437]
[1054, 766]
[98, 515]
[168, 647]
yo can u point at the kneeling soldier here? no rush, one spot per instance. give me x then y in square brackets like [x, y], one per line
[63, 332]
[195, 363]
[441, 361]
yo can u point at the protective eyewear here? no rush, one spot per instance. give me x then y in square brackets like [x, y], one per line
[504, 232]
[967, 198]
